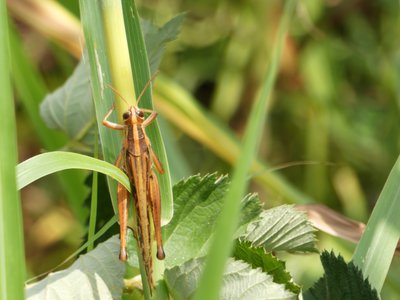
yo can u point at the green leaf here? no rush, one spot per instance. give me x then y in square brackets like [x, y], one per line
[44, 164]
[282, 229]
[257, 257]
[96, 275]
[197, 203]
[155, 38]
[240, 281]
[340, 281]
[70, 107]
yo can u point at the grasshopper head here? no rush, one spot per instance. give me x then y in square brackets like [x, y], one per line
[133, 116]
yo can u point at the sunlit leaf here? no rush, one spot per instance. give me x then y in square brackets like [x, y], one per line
[240, 281]
[257, 257]
[282, 229]
[96, 275]
[197, 204]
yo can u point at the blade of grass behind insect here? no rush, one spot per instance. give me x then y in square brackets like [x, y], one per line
[12, 260]
[375, 250]
[92, 23]
[93, 202]
[31, 90]
[141, 73]
[211, 278]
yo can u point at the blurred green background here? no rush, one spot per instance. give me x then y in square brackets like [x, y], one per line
[334, 117]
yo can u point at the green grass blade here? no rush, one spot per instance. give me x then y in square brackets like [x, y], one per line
[211, 279]
[31, 89]
[141, 73]
[92, 22]
[44, 164]
[93, 202]
[12, 260]
[375, 250]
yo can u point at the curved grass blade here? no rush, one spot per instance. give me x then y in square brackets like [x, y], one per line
[44, 164]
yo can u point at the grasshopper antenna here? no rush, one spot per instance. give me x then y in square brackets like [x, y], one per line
[145, 87]
[117, 93]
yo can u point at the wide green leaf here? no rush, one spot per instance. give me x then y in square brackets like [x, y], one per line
[197, 203]
[340, 281]
[156, 38]
[70, 108]
[240, 281]
[282, 229]
[257, 257]
[96, 275]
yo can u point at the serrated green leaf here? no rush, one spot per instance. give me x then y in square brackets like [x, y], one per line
[282, 229]
[240, 281]
[96, 275]
[156, 38]
[340, 281]
[257, 257]
[70, 107]
[197, 204]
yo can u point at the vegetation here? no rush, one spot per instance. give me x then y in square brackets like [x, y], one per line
[294, 100]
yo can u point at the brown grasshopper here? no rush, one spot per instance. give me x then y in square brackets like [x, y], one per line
[137, 159]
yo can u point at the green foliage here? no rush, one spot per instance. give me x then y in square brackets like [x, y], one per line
[374, 252]
[70, 109]
[258, 257]
[50, 162]
[187, 238]
[335, 101]
[221, 244]
[240, 281]
[12, 270]
[96, 275]
[340, 281]
[197, 204]
[282, 228]
[156, 38]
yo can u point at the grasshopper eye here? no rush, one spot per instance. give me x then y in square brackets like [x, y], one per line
[126, 115]
[140, 114]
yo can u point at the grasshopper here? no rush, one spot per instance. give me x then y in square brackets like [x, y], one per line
[137, 160]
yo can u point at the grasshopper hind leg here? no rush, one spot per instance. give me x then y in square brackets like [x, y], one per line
[155, 202]
[123, 198]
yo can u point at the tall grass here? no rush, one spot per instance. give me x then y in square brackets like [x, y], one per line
[211, 280]
[12, 260]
